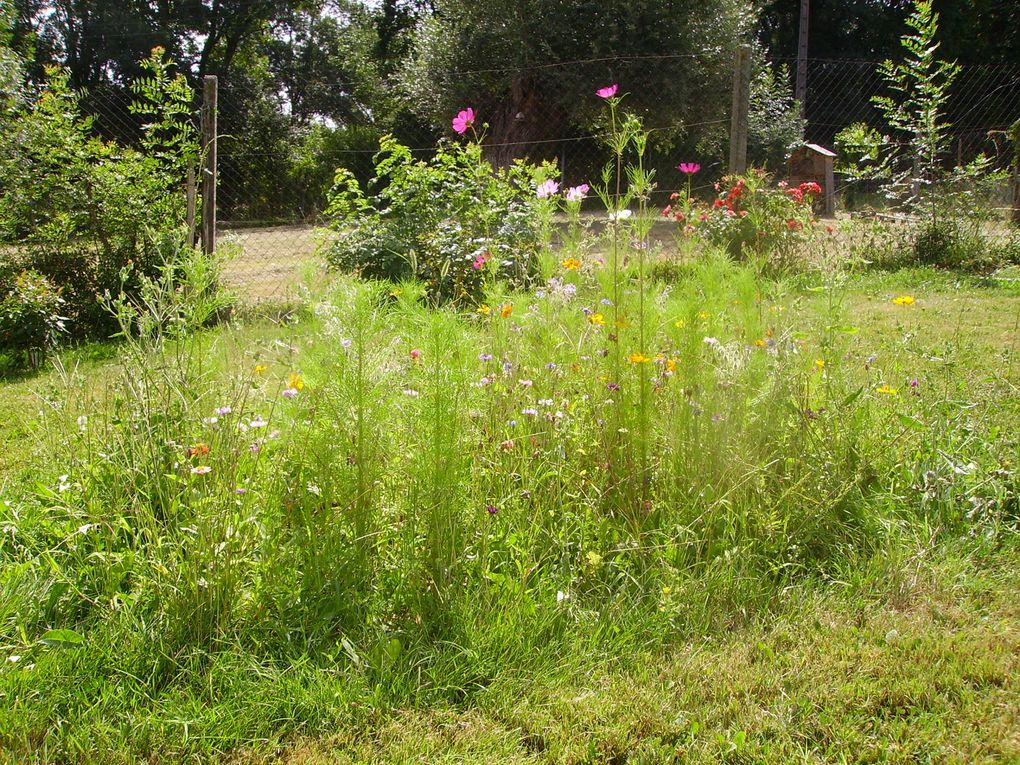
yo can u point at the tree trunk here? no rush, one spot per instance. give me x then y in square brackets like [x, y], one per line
[523, 126]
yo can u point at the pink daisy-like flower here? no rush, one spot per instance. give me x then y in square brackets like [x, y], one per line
[547, 189]
[577, 193]
[289, 392]
[607, 92]
[464, 120]
[688, 168]
[201, 469]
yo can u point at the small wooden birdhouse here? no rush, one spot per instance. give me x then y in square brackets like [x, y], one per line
[812, 162]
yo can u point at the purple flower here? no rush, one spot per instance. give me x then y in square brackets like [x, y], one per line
[530, 411]
[491, 509]
[607, 92]
[551, 365]
[688, 168]
[222, 411]
[485, 357]
[464, 119]
[289, 392]
[612, 386]
[547, 189]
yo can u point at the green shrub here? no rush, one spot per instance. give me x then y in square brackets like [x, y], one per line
[30, 316]
[437, 220]
[83, 212]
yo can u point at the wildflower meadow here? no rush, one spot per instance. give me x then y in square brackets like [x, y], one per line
[534, 473]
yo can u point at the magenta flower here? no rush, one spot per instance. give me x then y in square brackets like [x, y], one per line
[577, 193]
[463, 120]
[290, 392]
[547, 189]
[491, 509]
[688, 168]
[607, 92]
[479, 262]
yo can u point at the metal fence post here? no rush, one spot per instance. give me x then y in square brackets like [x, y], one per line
[740, 110]
[209, 96]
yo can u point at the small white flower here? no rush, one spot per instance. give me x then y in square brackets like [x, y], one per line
[620, 215]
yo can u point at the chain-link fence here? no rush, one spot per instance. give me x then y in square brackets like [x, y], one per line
[275, 168]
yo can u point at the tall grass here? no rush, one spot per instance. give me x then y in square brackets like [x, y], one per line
[399, 504]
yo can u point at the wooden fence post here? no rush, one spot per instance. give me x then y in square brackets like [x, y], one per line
[741, 107]
[209, 97]
[802, 52]
[190, 197]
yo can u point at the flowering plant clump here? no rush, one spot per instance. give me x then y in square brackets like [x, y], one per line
[748, 216]
[452, 221]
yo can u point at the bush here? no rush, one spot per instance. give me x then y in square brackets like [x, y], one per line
[750, 218]
[83, 212]
[30, 317]
[436, 220]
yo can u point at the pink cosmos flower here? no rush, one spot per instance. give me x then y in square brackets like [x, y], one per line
[688, 168]
[607, 92]
[547, 189]
[577, 193]
[464, 119]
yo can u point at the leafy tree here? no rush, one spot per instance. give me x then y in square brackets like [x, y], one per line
[515, 62]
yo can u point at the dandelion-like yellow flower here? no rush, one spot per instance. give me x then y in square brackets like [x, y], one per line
[295, 381]
[597, 319]
[679, 323]
[484, 309]
[261, 369]
[904, 300]
[671, 365]
[506, 310]
[571, 264]
[820, 363]
[703, 315]
[760, 343]
[887, 390]
[638, 358]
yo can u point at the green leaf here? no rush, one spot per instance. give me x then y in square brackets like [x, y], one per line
[910, 422]
[61, 639]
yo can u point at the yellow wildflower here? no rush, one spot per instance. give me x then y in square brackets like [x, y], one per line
[260, 369]
[638, 358]
[571, 264]
[904, 300]
[506, 310]
[597, 319]
[295, 381]
[887, 390]
[484, 309]
[820, 363]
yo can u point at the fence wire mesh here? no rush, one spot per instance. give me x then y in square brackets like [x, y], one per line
[275, 168]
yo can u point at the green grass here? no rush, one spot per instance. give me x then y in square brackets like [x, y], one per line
[748, 550]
